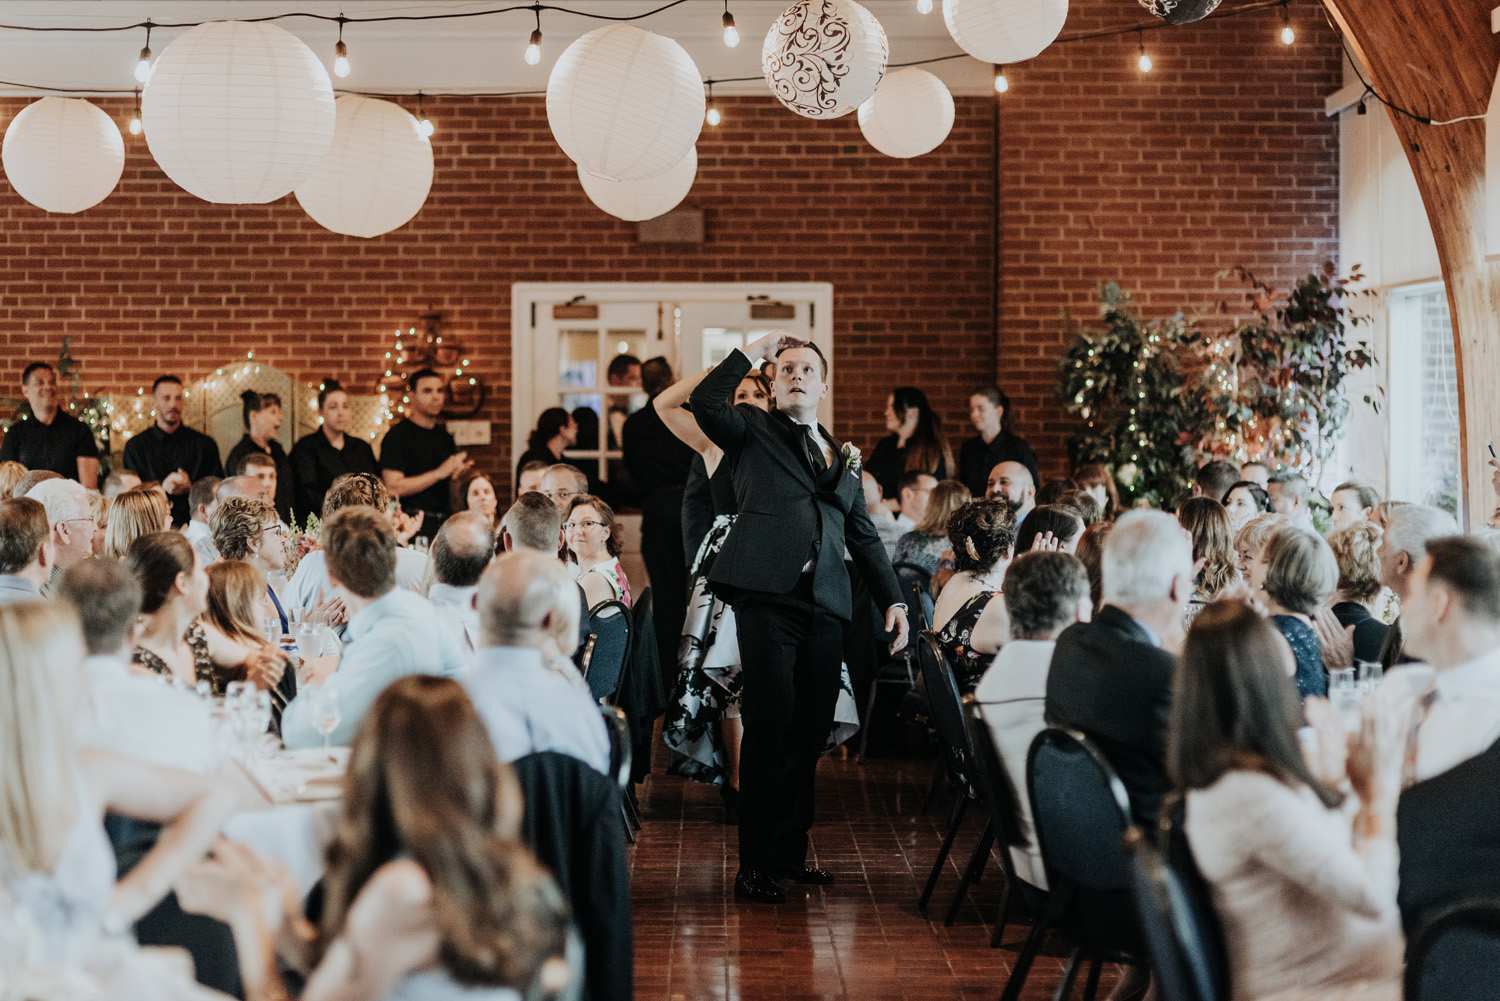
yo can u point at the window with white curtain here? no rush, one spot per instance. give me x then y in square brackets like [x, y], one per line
[1423, 396]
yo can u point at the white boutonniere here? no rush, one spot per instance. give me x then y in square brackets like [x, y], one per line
[852, 459]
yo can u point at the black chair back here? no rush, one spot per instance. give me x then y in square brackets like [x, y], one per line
[585, 654]
[619, 744]
[996, 791]
[609, 621]
[1185, 942]
[916, 586]
[1080, 810]
[945, 708]
[1456, 956]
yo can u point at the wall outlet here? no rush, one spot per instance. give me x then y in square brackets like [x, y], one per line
[466, 433]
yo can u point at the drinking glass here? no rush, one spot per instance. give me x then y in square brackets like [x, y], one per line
[324, 704]
[1370, 673]
[421, 543]
[309, 639]
[270, 628]
[1345, 694]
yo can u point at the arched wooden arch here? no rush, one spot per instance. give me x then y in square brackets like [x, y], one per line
[1439, 59]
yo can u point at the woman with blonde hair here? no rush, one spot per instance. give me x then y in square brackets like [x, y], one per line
[1207, 522]
[235, 592]
[10, 474]
[1251, 539]
[135, 512]
[55, 860]
[1356, 549]
[99, 507]
[924, 545]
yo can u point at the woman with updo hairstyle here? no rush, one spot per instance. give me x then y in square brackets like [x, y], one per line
[1213, 544]
[136, 512]
[1049, 526]
[1356, 549]
[970, 624]
[555, 431]
[263, 417]
[326, 454]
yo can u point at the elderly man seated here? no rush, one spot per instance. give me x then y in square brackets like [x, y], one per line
[463, 548]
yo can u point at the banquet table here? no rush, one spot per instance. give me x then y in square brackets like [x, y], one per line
[303, 788]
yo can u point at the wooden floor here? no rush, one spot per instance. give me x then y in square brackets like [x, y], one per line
[861, 938]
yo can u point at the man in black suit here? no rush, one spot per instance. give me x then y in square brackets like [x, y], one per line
[1110, 678]
[782, 569]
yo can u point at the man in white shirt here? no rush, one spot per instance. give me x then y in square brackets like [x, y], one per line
[25, 550]
[462, 549]
[913, 490]
[1045, 592]
[527, 609]
[72, 524]
[201, 504]
[310, 584]
[134, 716]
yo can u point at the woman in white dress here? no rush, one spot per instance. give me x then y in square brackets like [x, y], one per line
[58, 883]
[1298, 848]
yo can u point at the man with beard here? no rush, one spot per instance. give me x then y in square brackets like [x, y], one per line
[171, 453]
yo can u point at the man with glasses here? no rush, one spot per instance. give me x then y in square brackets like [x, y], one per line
[561, 483]
[71, 522]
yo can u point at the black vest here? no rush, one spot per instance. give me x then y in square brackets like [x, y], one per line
[1448, 830]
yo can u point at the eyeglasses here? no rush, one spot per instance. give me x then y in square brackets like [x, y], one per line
[559, 494]
[582, 524]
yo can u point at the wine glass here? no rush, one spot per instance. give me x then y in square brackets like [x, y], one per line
[324, 704]
[270, 628]
[309, 639]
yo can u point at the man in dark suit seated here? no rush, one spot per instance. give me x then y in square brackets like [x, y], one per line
[1111, 678]
[782, 569]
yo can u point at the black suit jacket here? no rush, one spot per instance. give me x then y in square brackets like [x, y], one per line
[1108, 680]
[787, 514]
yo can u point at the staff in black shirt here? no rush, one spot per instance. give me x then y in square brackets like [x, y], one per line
[49, 438]
[168, 452]
[410, 449]
[328, 453]
[989, 409]
[262, 416]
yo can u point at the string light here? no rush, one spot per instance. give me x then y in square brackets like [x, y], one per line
[1002, 85]
[534, 46]
[423, 122]
[341, 53]
[1288, 36]
[135, 119]
[143, 62]
[1144, 62]
[712, 117]
[731, 33]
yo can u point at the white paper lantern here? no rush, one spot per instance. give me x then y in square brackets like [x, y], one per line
[63, 154]
[238, 113]
[824, 58]
[910, 114]
[1004, 31]
[638, 200]
[625, 104]
[375, 176]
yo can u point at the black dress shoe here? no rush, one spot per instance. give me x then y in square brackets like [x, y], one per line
[757, 887]
[807, 875]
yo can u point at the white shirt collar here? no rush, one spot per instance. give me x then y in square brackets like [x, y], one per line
[1480, 675]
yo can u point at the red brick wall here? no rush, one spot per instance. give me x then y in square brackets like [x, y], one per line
[1221, 156]
[1218, 157]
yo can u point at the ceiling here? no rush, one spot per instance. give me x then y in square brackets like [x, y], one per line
[460, 55]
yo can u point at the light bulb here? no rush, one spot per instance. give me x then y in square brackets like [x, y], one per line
[924, 6]
[534, 48]
[1288, 36]
[425, 124]
[143, 66]
[341, 60]
[135, 125]
[1144, 63]
[731, 33]
[713, 117]
[1001, 84]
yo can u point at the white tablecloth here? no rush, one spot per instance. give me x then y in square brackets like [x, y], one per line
[296, 830]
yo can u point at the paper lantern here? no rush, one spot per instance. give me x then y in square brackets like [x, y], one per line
[376, 174]
[824, 58]
[63, 154]
[910, 114]
[238, 113]
[1180, 11]
[625, 104]
[1004, 31]
[638, 200]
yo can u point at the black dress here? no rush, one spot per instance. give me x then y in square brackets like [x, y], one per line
[955, 636]
[1309, 653]
[1369, 632]
[284, 478]
[888, 461]
[976, 458]
[316, 464]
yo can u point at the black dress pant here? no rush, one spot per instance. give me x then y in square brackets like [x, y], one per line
[661, 551]
[790, 651]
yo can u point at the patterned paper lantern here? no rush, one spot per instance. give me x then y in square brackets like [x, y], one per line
[1181, 11]
[910, 114]
[375, 176]
[824, 58]
[1004, 31]
[625, 104]
[62, 154]
[638, 200]
[238, 113]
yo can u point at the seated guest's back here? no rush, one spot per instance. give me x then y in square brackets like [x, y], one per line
[1295, 574]
[1046, 592]
[392, 632]
[349, 490]
[534, 522]
[1064, 526]
[970, 623]
[463, 548]
[1449, 819]
[1306, 897]
[925, 544]
[25, 549]
[528, 694]
[1110, 678]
